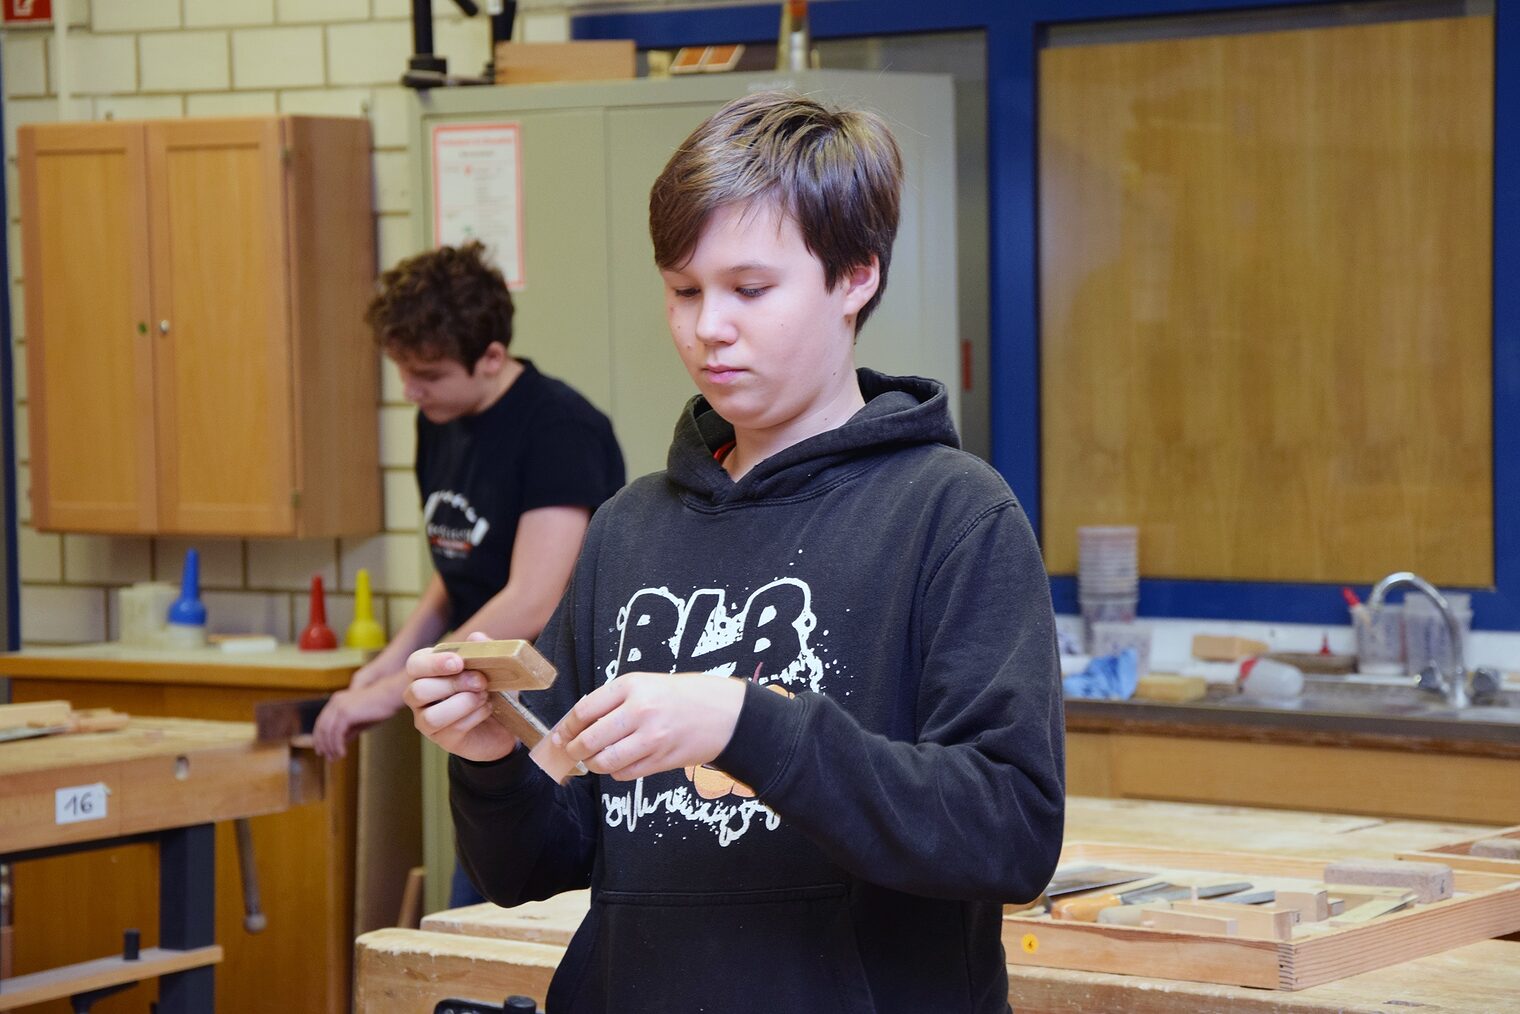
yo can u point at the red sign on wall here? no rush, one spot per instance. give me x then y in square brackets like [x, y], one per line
[26, 12]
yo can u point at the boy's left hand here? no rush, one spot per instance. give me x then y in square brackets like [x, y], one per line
[643, 723]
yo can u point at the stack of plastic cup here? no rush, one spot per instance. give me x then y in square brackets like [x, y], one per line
[1108, 574]
[1427, 640]
[1379, 639]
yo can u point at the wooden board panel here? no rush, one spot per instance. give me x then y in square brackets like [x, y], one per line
[1484, 906]
[1387, 783]
[1266, 299]
[331, 241]
[217, 199]
[84, 229]
[411, 970]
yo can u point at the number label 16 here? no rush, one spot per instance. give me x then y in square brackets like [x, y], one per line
[81, 802]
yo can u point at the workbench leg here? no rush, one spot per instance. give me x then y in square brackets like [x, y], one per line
[187, 915]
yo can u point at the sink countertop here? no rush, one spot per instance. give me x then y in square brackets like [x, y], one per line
[1321, 715]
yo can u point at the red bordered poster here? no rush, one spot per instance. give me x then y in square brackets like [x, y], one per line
[28, 12]
[477, 191]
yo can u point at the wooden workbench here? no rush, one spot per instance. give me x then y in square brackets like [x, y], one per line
[164, 781]
[320, 886]
[485, 953]
[1384, 767]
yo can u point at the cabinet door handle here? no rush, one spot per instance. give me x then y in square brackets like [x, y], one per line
[142, 327]
[163, 327]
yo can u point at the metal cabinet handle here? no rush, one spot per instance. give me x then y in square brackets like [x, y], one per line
[163, 327]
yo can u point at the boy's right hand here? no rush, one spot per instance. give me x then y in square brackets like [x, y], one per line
[451, 707]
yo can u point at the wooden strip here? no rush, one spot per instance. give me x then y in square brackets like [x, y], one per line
[1139, 951]
[1183, 921]
[507, 665]
[1263, 922]
[57, 983]
[35, 715]
[1368, 909]
[1429, 881]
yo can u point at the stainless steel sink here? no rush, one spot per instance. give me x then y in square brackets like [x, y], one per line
[1360, 696]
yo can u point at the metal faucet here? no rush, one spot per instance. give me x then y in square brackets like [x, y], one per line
[1454, 679]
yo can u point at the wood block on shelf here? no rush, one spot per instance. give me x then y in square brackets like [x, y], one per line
[582, 60]
[1167, 687]
[1221, 648]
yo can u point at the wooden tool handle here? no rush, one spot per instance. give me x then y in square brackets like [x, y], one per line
[1083, 907]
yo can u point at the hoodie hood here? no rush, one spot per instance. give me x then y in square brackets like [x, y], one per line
[899, 412]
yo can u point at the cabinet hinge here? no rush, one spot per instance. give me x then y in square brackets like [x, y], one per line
[295, 499]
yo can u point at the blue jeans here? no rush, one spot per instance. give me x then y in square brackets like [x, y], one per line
[462, 890]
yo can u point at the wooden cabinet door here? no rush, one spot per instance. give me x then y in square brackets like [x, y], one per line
[85, 257]
[216, 196]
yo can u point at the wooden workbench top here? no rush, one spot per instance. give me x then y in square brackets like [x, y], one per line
[155, 773]
[286, 667]
[1480, 977]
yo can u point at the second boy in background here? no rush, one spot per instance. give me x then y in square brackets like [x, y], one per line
[812, 663]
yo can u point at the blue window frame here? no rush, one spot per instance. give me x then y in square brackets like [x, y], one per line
[1013, 32]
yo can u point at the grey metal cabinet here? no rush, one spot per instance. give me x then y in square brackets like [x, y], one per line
[591, 308]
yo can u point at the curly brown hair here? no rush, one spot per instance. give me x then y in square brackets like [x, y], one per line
[448, 303]
[836, 172]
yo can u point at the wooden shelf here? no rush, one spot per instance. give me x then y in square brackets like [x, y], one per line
[58, 983]
[285, 668]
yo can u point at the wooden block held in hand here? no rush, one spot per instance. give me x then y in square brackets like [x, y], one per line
[1496, 848]
[507, 665]
[1429, 881]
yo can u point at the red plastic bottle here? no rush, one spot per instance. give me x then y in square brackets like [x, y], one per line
[317, 636]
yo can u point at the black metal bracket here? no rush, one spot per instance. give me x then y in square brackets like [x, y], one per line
[512, 1005]
[425, 69]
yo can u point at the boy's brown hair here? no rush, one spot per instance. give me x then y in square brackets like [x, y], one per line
[448, 303]
[836, 173]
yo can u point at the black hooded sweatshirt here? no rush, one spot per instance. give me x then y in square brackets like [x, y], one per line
[896, 772]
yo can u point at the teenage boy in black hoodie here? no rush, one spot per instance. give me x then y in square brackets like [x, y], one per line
[812, 665]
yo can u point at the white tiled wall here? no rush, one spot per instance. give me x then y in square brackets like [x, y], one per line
[130, 59]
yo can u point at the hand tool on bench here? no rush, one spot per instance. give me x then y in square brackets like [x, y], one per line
[1071, 879]
[1086, 907]
[510, 666]
[275, 721]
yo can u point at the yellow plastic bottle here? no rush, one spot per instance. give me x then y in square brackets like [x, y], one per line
[365, 632]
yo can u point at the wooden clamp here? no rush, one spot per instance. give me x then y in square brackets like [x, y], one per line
[510, 666]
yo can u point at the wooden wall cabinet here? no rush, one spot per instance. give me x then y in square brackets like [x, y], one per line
[197, 357]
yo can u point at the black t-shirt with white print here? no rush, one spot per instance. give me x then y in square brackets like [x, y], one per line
[539, 445]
